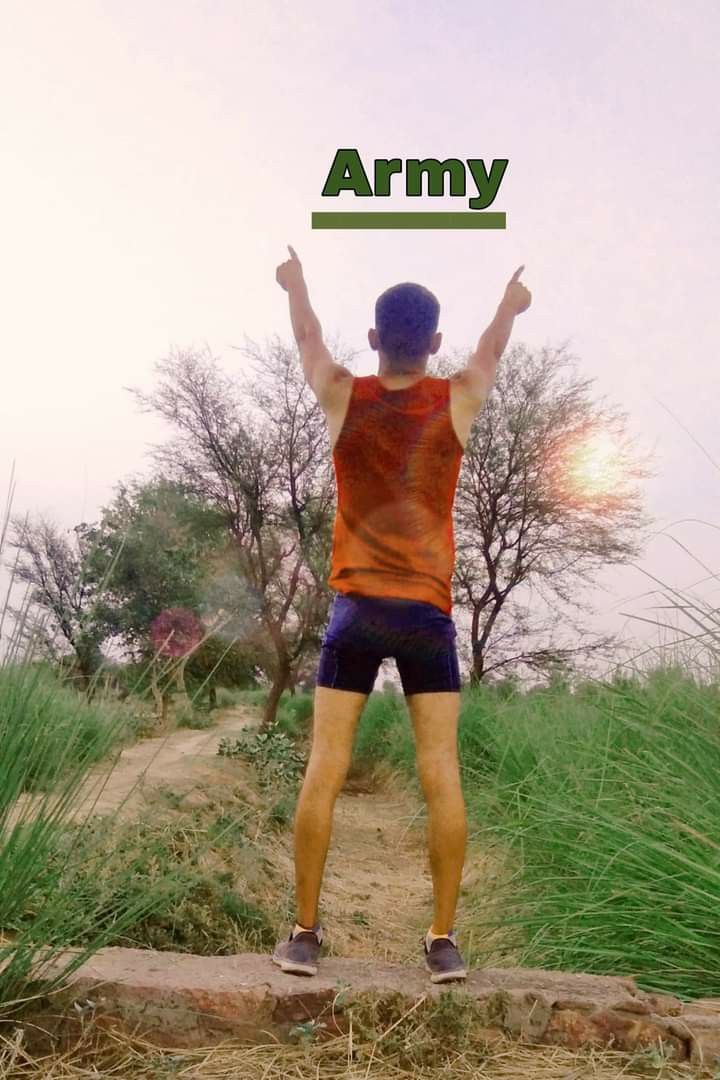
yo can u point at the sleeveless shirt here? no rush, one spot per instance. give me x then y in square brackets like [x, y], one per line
[397, 461]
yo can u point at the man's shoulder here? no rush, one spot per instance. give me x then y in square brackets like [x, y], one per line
[470, 385]
[337, 391]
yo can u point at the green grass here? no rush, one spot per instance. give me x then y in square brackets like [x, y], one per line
[294, 715]
[50, 736]
[606, 799]
[384, 733]
[47, 729]
[609, 800]
[199, 905]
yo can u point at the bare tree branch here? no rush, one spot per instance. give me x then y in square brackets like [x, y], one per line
[525, 513]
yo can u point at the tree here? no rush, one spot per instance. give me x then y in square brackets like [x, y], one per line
[219, 662]
[61, 612]
[256, 450]
[545, 499]
[153, 548]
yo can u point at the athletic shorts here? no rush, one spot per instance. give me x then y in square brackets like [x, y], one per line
[363, 631]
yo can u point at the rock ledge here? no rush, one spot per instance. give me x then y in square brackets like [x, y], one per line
[179, 1000]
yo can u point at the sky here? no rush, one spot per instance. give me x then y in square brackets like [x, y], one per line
[156, 158]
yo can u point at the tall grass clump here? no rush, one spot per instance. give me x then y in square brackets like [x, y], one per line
[294, 714]
[50, 737]
[609, 798]
[47, 728]
[45, 759]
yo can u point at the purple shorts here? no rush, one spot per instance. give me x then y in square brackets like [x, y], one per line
[365, 630]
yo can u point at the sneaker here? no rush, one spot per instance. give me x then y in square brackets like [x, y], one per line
[443, 960]
[299, 953]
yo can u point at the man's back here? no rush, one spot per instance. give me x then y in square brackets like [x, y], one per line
[397, 459]
[464, 402]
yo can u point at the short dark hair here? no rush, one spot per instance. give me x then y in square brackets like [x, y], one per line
[406, 318]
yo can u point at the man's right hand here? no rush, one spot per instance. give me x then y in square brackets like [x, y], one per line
[289, 273]
[517, 298]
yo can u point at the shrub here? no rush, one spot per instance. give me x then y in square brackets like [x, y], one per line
[294, 715]
[271, 751]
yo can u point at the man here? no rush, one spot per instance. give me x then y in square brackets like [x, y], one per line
[397, 440]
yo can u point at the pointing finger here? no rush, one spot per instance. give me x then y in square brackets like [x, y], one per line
[517, 273]
[293, 253]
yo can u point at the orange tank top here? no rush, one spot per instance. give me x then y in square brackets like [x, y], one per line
[397, 462]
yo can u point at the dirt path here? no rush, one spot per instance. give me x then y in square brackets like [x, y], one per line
[377, 890]
[179, 761]
[376, 899]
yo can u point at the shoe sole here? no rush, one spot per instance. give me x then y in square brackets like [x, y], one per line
[292, 967]
[445, 976]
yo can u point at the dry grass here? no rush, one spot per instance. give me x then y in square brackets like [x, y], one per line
[394, 1053]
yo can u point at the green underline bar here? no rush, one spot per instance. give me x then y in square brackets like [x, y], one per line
[410, 219]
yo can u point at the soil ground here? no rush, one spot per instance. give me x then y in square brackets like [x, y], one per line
[178, 761]
[376, 899]
[377, 890]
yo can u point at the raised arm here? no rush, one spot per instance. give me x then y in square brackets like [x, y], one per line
[321, 371]
[305, 322]
[483, 363]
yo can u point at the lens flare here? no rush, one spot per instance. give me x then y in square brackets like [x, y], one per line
[176, 632]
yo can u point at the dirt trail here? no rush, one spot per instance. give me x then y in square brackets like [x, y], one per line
[376, 899]
[179, 761]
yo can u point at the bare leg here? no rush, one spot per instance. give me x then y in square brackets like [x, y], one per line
[434, 718]
[335, 717]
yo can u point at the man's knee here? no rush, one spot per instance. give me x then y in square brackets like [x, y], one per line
[326, 771]
[439, 780]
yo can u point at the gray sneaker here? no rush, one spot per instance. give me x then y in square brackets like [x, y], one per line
[443, 960]
[298, 955]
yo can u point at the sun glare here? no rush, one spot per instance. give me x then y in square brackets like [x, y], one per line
[594, 465]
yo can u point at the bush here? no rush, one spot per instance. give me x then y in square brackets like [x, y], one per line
[243, 697]
[197, 719]
[294, 715]
[271, 751]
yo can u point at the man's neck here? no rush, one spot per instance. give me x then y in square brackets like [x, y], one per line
[404, 374]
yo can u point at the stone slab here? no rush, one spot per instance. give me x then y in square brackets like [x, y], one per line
[180, 1000]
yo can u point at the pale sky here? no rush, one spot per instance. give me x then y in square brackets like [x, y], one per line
[157, 157]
